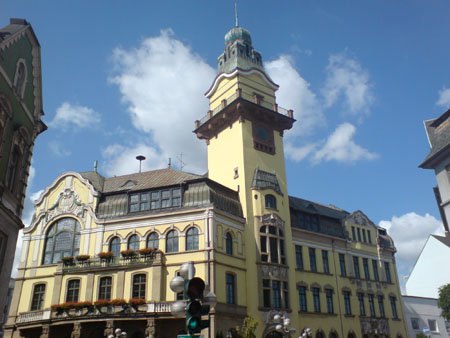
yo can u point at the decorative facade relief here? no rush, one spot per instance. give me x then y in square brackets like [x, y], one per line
[68, 202]
[76, 331]
[150, 329]
[375, 326]
[271, 219]
[274, 271]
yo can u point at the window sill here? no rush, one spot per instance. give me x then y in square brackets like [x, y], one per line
[316, 272]
[349, 316]
[324, 314]
[274, 309]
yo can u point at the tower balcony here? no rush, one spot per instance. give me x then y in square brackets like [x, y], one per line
[241, 106]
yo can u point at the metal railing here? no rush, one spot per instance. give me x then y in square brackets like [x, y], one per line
[245, 96]
[34, 316]
[97, 263]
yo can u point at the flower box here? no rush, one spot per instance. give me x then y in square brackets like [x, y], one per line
[128, 253]
[83, 258]
[105, 256]
[68, 261]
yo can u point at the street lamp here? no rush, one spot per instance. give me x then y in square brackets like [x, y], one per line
[306, 333]
[118, 334]
[283, 322]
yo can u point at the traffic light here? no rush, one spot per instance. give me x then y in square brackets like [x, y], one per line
[193, 293]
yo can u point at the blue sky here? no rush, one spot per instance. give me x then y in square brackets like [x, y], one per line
[122, 78]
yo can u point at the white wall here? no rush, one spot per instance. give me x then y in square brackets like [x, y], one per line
[431, 271]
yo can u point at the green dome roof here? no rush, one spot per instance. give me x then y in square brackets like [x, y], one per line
[238, 33]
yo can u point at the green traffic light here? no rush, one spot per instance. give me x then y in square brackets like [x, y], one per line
[194, 324]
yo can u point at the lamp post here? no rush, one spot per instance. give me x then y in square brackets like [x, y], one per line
[307, 333]
[118, 334]
[282, 322]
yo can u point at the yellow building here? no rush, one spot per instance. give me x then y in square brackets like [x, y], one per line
[261, 251]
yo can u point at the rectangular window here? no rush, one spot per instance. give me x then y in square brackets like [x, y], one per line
[375, 270]
[362, 308]
[266, 293]
[432, 325]
[38, 297]
[302, 298]
[299, 257]
[356, 267]
[366, 268]
[381, 306]
[415, 323]
[348, 307]
[371, 305]
[353, 233]
[329, 296]
[276, 293]
[388, 272]
[369, 236]
[286, 295]
[326, 267]
[393, 307]
[342, 264]
[230, 288]
[312, 259]
[273, 246]
[104, 291]
[364, 235]
[359, 234]
[139, 284]
[316, 299]
[73, 288]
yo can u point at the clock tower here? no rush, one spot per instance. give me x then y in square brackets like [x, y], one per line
[244, 130]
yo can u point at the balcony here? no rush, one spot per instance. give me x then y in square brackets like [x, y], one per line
[239, 94]
[34, 316]
[113, 263]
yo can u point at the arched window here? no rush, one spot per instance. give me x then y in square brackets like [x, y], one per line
[172, 241]
[37, 302]
[192, 239]
[13, 168]
[73, 288]
[114, 246]
[320, 334]
[229, 243]
[133, 242]
[20, 78]
[271, 201]
[139, 283]
[63, 239]
[104, 289]
[333, 334]
[272, 244]
[153, 241]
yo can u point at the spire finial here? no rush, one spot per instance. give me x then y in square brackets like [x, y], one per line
[236, 14]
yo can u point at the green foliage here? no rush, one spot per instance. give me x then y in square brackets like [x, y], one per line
[421, 335]
[219, 334]
[444, 301]
[247, 330]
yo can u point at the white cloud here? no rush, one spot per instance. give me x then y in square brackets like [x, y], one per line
[409, 232]
[74, 115]
[121, 160]
[444, 98]
[295, 93]
[341, 147]
[162, 82]
[347, 79]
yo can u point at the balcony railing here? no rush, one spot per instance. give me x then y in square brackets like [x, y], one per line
[239, 94]
[97, 263]
[34, 316]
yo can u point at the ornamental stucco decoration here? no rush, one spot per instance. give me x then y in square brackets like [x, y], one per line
[271, 219]
[68, 202]
[274, 271]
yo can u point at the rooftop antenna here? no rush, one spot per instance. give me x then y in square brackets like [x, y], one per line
[170, 163]
[95, 165]
[182, 164]
[140, 158]
[236, 14]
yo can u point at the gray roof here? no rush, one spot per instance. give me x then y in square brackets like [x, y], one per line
[15, 26]
[438, 131]
[300, 204]
[443, 239]
[263, 180]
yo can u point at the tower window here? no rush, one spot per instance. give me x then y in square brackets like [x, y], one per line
[272, 245]
[271, 201]
[230, 288]
[229, 243]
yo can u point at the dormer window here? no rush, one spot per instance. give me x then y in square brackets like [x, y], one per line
[153, 200]
[129, 183]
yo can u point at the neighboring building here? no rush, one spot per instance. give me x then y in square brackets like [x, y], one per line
[438, 132]
[5, 311]
[261, 251]
[20, 124]
[422, 312]
[433, 260]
